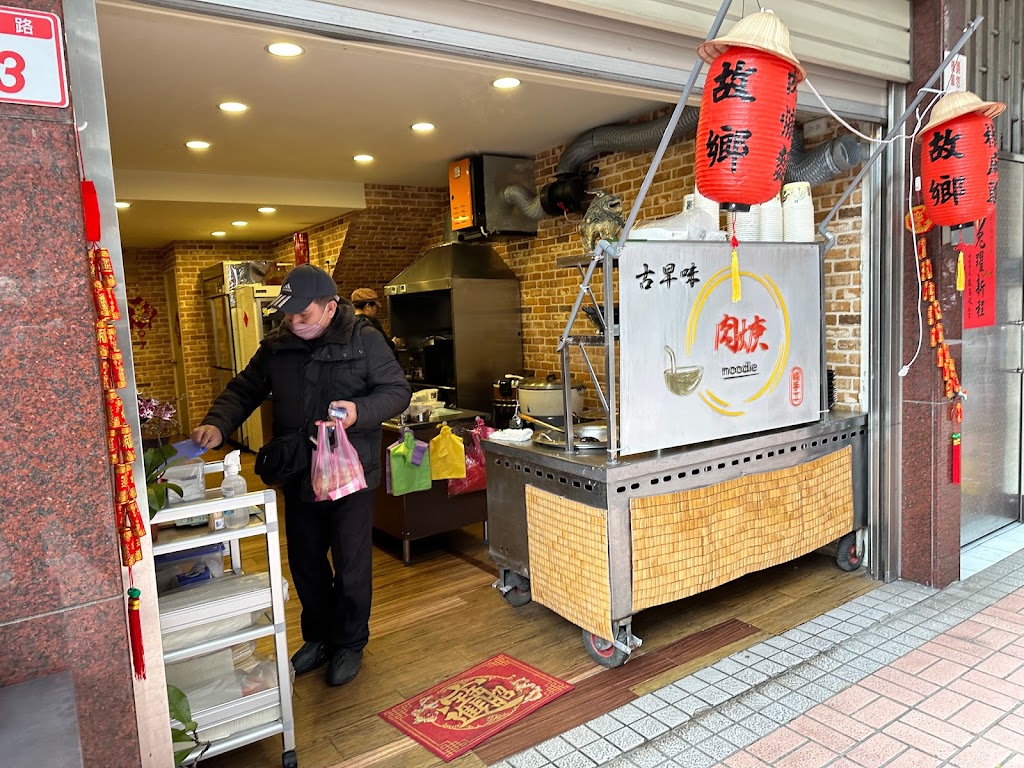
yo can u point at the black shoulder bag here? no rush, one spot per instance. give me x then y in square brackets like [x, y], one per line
[284, 458]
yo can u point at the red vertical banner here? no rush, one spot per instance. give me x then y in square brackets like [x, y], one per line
[980, 274]
[301, 240]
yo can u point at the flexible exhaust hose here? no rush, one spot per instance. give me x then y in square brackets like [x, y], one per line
[624, 138]
[525, 200]
[820, 165]
[606, 138]
[826, 162]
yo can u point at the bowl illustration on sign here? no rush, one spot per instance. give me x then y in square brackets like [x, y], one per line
[681, 380]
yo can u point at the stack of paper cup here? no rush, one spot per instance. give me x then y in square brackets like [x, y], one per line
[707, 205]
[747, 224]
[771, 221]
[797, 213]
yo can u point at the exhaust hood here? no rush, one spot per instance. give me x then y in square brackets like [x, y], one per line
[436, 269]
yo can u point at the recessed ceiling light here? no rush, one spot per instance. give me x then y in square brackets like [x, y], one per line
[239, 223]
[363, 158]
[122, 204]
[219, 233]
[233, 106]
[505, 83]
[423, 127]
[196, 144]
[287, 50]
[267, 209]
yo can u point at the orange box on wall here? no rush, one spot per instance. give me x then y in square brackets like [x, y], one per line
[460, 187]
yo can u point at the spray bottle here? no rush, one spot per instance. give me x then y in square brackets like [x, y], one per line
[234, 485]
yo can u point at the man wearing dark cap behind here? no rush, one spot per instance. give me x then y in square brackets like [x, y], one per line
[322, 356]
[366, 302]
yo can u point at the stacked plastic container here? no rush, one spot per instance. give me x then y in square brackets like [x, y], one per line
[797, 213]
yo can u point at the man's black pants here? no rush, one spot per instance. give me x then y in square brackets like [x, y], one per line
[335, 602]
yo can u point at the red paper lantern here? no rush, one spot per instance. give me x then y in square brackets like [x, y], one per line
[745, 130]
[959, 169]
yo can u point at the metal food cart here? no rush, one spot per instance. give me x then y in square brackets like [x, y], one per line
[736, 462]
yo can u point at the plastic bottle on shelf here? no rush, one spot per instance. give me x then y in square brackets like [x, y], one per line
[234, 485]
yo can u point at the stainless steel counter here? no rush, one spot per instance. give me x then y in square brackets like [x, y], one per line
[450, 415]
[595, 463]
[590, 478]
[418, 515]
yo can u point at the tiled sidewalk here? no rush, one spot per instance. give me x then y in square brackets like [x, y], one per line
[903, 676]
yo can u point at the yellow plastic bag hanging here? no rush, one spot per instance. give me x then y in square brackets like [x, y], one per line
[447, 456]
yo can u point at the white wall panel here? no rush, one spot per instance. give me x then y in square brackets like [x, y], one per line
[870, 37]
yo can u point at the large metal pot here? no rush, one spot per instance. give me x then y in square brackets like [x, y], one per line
[542, 396]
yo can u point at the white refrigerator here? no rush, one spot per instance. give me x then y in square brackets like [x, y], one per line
[252, 321]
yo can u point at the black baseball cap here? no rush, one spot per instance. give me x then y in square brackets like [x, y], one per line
[301, 286]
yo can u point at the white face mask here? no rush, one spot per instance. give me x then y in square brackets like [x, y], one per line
[309, 331]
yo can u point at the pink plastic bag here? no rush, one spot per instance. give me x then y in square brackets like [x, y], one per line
[476, 473]
[337, 471]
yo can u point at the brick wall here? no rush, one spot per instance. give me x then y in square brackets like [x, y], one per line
[375, 244]
[144, 278]
[188, 260]
[368, 248]
[844, 274]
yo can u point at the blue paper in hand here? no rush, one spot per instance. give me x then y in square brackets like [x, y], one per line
[188, 449]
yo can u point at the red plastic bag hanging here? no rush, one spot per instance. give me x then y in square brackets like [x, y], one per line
[337, 471]
[476, 474]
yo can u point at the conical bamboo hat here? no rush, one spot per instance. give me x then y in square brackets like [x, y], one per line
[763, 31]
[960, 103]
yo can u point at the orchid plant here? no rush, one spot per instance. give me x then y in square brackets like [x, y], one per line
[157, 421]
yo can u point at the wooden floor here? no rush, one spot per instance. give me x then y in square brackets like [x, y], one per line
[439, 616]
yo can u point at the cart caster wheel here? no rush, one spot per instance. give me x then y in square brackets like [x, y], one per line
[846, 553]
[603, 652]
[517, 597]
[520, 594]
[289, 760]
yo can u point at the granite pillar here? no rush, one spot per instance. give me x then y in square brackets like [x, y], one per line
[930, 521]
[61, 592]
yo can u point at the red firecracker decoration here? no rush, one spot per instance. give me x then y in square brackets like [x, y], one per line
[959, 162]
[748, 112]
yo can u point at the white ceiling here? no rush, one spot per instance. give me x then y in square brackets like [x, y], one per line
[165, 73]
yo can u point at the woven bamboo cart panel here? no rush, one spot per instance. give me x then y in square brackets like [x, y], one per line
[569, 560]
[692, 541]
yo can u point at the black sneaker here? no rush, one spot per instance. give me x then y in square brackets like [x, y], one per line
[344, 666]
[310, 656]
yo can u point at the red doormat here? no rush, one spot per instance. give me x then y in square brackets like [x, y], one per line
[456, 715]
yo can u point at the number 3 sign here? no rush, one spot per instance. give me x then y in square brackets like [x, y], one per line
[31, 59]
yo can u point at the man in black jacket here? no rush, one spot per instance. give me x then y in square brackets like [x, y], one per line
[321, 357]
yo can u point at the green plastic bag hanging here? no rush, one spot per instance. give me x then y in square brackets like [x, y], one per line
[447, 456]
[410, 465]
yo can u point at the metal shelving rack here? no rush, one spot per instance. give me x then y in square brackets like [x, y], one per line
[236, 597]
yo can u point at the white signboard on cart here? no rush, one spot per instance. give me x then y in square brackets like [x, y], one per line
[697, 366]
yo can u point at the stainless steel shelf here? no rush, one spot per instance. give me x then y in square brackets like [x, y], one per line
[177, 539]
[244, 594]
[254, 632]
[228, 597]
[236, 709]
[214, 502]
[242, 738]
[583, 260]
[587, 341]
